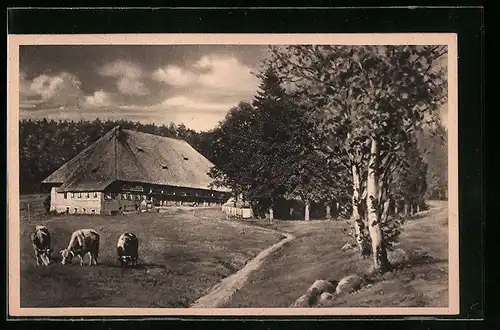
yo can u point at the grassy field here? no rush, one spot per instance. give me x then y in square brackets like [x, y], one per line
[181, 256]
[315, 254]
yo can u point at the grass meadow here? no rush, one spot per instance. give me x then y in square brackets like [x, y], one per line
[316, 253]
[182, 255]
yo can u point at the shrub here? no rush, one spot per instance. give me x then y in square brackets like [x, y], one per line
[46, 204]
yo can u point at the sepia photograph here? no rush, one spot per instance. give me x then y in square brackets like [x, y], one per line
[233, 174]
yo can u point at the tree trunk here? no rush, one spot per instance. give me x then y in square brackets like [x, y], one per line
[379, 253]
[385, 212]
[406, 210]
[271, 214]
[306, 216]
[328, 212]
[357, 216]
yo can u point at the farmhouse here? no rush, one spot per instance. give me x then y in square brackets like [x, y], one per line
[124, 170]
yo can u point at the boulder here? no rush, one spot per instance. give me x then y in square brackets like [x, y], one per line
[303, 301]
[347, 247]
[349, 284]
[397, 256]
[325, 296]
[320, 286]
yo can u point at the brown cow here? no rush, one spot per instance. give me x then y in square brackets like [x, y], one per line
[42, 245]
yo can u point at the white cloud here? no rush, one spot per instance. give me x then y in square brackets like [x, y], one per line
[194, 105]
[130, 86]
[216, 72]
[121, 68]
[50, 87]
[49, 90]
[226, 73]
[186, 104]
[174, 75]
[128, 77]
[98, 99]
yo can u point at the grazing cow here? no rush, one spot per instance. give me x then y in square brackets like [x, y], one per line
[42, 245]
[82, 242]
[127, 249]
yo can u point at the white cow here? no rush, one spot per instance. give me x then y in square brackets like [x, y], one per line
[82, 242]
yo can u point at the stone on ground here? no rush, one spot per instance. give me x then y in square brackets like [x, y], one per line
[349, 284]
[397, 256]
[303, 301]
[320, 286]
[348, 246]
[325, 296]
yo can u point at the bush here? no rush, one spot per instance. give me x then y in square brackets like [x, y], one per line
[46, 204]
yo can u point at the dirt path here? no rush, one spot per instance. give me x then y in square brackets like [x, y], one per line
[220, 295]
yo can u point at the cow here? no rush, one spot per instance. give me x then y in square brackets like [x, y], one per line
[41, 240]
[127, 249]
[82, 242]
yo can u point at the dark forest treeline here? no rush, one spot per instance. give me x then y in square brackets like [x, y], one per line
[46, 145]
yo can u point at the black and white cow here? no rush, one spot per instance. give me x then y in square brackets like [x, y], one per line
[42, 245]
[127, 249]
[82, 242]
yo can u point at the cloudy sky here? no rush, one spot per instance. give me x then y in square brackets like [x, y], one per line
[195, 85]
[191, 84]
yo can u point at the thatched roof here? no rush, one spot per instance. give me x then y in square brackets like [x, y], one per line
[125, 155]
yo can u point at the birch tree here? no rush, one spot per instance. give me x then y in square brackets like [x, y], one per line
[370, 98]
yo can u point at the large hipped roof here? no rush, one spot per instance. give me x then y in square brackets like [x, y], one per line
[130, 156]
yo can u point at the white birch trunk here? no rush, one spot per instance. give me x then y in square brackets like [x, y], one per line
[271, 215]
[379, 254]
[385, 212]
[328, 212]
[306, 215]
[356, 216]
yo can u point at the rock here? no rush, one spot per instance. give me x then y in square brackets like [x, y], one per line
[304, 301]
[346, 247]
[397, 256]
[320, 286]
[349, 284]
[325, 296]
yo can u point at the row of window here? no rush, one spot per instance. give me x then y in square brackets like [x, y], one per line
[124, 196]
[86, 195]
[80, 210]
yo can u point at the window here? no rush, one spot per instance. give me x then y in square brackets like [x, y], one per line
[165, 167]
[87, 195]
[185, 157]
[95, 194]
[76, 210]
[65, 195]
[124, 196]
[140, 149]
[84, 210]
[79, 195]
[93, 211]
[72, 195]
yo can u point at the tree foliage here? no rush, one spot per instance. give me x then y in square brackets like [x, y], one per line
[372, 99]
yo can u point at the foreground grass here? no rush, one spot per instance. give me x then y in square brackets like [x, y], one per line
[315, 254]
[182, 255]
